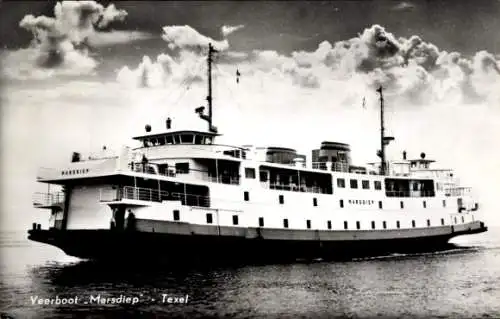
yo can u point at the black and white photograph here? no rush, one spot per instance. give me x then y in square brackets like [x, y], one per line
[250, 159]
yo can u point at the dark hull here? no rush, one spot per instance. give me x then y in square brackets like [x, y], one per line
[257, 244]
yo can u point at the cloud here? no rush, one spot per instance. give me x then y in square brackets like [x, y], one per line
[187, 38]
[112, 37]
[411, 70]
[227, 30]
[404, 6]
[60, 43]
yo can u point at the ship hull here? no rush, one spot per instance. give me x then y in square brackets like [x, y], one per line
[253, 244]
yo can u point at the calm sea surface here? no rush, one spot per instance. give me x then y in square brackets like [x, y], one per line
[460, 283]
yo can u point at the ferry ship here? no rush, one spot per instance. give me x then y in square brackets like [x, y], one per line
[179, 194]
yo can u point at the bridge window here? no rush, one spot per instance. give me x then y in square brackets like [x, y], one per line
[358, 225]
[315, 201]
[177, 139]
[365, 184]
[187, 138]
[261, 221]
[378, 185]
[354, 183]
[346, 225]
[341, 203]
[182, 168]
[176, 215]
[235, 219]
[249, 172]
[209, 218]
[246, 196]
[198, 139]
[340, 183]
[285, 223]
[308, 223]
[329, 224]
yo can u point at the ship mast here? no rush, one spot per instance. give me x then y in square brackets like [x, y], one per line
[384, 140]
[211, 50]
[200, 110]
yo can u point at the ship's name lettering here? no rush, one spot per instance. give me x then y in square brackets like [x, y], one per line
[113, 300]
[36, 300]
[166, 298]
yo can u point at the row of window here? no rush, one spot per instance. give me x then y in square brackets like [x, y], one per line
[281, 200]
[365, 184]
[209, 219]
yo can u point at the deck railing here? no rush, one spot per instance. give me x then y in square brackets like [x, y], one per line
[457, 191]
[410, 193]
[157, 195]
[335, 166]
[48, 199]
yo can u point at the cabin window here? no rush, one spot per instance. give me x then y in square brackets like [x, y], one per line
[413, 223]
[282, 199]
[209, 218]
[308, 223]
[354, 183]
[169, 139]
[378, 185]
[384, 224]
[176, 215]
[428, 223]
[249, 172]
[398, 224]
[285, 223]
[380, 204]
[263, 176]
[187, 138]
[463, 220]
[315, 201]
[358, 225]
[373, 225]
[198, 139]
[444, 202]
[182, 168]
[235, 219]
[425, 204]
[455, 220]
[246, 196]
[329, 224]
[346, 225]
[340, 183]
[365, 184]
[177, 139]
[261, 221]
[442, 221]
[402, 204]
[341, 203]
[208, 140]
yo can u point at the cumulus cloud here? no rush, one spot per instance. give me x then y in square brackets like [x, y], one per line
[60, 44]
[411, 70]
[187, 38]
[227, 30]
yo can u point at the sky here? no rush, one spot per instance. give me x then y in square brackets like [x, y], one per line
[79, 75]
